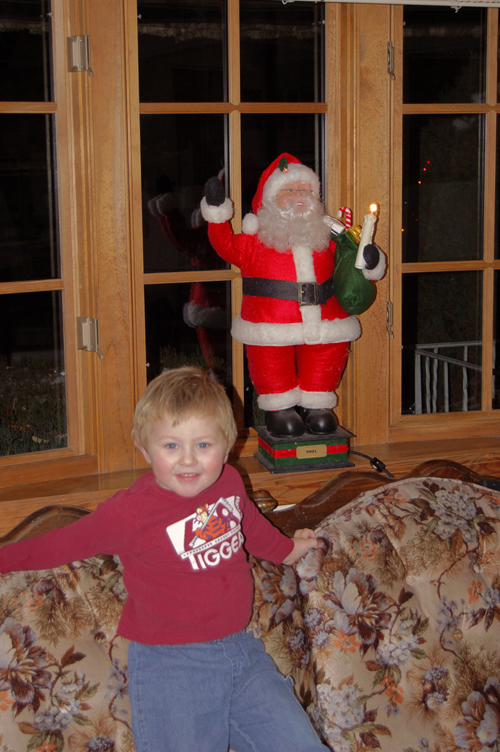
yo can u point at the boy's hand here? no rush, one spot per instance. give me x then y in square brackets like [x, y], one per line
[303, 540]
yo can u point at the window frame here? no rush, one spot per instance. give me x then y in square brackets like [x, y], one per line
[363, 144]
[485, 422]
[69, 458]
[94, 206]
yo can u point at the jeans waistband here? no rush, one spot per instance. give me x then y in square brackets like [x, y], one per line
[228, 638]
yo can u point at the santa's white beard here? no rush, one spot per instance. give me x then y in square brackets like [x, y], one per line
[293, 226]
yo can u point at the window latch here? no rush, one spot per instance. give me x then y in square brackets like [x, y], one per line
[389, 319]
[390, 60]
[79, 54]
[87, 335]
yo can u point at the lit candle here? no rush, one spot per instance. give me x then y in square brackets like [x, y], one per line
[366, 234]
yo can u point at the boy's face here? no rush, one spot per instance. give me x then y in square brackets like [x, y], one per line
[187, 458]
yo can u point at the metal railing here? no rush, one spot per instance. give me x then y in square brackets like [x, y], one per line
[431, 381]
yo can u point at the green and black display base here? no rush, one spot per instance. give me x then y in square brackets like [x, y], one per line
[307, 452]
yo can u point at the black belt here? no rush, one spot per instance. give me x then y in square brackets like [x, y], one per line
[305, 293]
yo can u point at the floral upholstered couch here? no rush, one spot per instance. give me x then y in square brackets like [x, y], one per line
[390, 630]
[63, 669]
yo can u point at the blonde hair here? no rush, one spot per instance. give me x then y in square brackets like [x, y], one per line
[182, 393]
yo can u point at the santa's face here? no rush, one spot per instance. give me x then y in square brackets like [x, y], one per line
[294, 217]
[294, 195]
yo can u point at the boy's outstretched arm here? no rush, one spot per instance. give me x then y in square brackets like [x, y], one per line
[303, 540]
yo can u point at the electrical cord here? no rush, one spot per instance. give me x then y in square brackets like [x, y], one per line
[377, 464]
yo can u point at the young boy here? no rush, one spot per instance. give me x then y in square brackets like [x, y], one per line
[198, 681]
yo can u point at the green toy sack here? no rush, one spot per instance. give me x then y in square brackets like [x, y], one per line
[353, 291]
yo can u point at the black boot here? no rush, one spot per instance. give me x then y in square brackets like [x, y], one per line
[284, 423]
[318, 420]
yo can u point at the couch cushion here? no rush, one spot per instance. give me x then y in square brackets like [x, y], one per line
[63, 670]
[391, 629]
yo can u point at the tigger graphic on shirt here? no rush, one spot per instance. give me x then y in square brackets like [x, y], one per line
[211, 535]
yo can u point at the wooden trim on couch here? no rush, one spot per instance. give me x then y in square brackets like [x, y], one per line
[307, 513]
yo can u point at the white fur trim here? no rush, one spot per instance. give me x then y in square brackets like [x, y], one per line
[197, 218]
[296, 172]
[379, 271]
[311, 319]
[318, 400]
[166, 202]
[250, 224]
[217, 214]
[250, 333]
[153, 208]
[281, 401]
[304, 265]
[159, 205]
[311, 315]
[212, 317]
[340, 330]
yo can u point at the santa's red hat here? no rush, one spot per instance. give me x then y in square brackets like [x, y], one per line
[284, 170]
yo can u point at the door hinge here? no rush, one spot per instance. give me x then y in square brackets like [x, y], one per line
[79, 54]
[390, 60]
[389, 319]
[87, 335]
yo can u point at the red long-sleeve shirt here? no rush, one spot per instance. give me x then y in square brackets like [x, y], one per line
[185, 560]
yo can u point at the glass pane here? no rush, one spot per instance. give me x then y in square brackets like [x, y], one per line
[441, 342]
[498, 62]
[25, 51]
[282, 50]
[182, 50]
[28, 244]
[442, 187]
[32, 378]
[497, 195]
[179, 153]
[189, 324]
[496, 343]
[444, 54]
[265, 137]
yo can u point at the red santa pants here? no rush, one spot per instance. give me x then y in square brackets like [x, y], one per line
[297, 374]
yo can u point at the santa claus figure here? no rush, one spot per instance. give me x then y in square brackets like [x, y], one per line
[296, 332]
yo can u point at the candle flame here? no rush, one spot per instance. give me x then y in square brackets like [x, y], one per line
[374, 208]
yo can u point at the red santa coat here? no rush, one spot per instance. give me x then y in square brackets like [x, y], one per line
[269, 321]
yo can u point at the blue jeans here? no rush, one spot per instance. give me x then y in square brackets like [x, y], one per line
[212, 696]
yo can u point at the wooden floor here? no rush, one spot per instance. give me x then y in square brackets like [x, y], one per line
[481, 455]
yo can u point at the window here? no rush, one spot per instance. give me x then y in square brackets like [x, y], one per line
[224, 88]
[36, 391]
[65, 246]
[446, 108]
